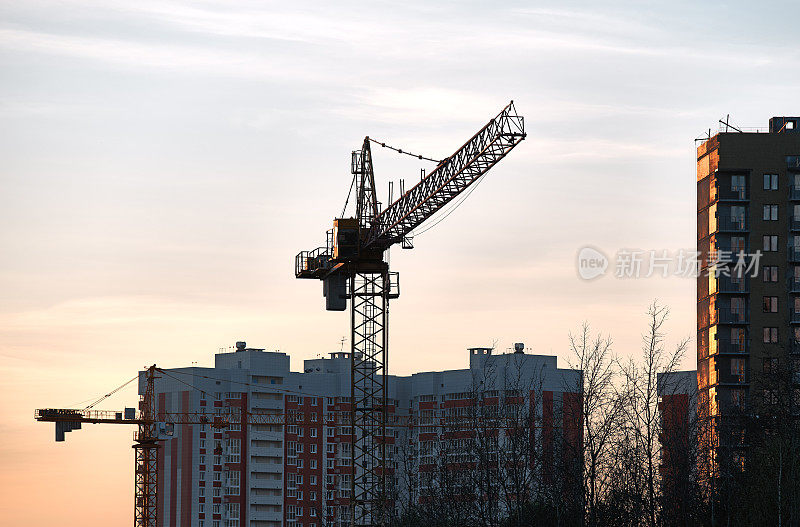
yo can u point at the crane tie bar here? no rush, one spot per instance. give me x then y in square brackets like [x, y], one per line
[401, 151]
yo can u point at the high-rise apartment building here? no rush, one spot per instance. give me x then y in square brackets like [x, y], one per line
[260, 475]
[748, 289]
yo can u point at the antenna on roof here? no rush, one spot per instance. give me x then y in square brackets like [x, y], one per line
[728, 124]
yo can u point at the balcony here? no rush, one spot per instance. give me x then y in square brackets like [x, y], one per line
[794, 254]
[794, 223]
[727, 284]
[794, 193]
[733, 194]
[794, 317]
[732, 224]
[728, 316]
[737, 347]
[794, 284]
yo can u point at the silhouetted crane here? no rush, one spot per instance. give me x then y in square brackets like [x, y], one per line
[353, 266]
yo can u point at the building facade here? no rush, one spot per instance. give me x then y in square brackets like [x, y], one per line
[273, 475]
[748, 288]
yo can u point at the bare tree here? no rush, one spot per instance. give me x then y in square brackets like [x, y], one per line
[601, 410]
[640, 397]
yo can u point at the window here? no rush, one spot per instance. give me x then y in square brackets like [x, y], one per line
[789, 125]
[770, 304]
[215, 508]
[770, 335]
[234, 446]
[738, 244]
[313, 432]
[232, 479]
[737, 397]
[217, 476]
[797, 304]
[331, 432]
[202, 443]
[293, 512]
[770, 396]
[331, 448]
[770, 181]
[770, 212]
[312, 512]
[769, 365]
[201, 491]
[202, 460]
[770, 243]
[216, 492]
[313, 464]
[312, 480]
[299, 463]
[201, 508]
[737, 340]
[737, 184]
[770, 273]
[312, 448]
[737, 369]
[737, 308]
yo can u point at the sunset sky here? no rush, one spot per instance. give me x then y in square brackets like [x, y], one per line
[163, 162]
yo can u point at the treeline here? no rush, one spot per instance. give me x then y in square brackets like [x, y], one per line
[617, 459]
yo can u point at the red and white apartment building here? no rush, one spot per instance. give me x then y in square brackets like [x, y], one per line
[267, 475]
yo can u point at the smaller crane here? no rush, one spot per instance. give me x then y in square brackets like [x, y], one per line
[154, 427]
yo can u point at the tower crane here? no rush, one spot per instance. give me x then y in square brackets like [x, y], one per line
[353, 266]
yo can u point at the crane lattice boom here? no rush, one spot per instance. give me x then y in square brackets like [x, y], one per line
[450, 178]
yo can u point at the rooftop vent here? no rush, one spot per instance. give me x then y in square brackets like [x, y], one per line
[241, 345]
[519, 347]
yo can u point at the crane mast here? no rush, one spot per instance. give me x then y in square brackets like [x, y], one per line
[352, 266]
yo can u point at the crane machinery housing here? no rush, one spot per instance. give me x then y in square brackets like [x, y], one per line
[353, 266]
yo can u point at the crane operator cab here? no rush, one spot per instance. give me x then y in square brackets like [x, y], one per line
[345, 238]
[345, 247]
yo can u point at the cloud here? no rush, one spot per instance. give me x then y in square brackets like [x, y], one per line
[145, 55]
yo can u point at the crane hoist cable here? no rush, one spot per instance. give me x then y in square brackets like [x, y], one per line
[112, 392]
[449, 211]
[352, 184]
[192, 386]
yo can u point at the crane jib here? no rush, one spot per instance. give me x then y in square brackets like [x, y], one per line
[449, 179]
